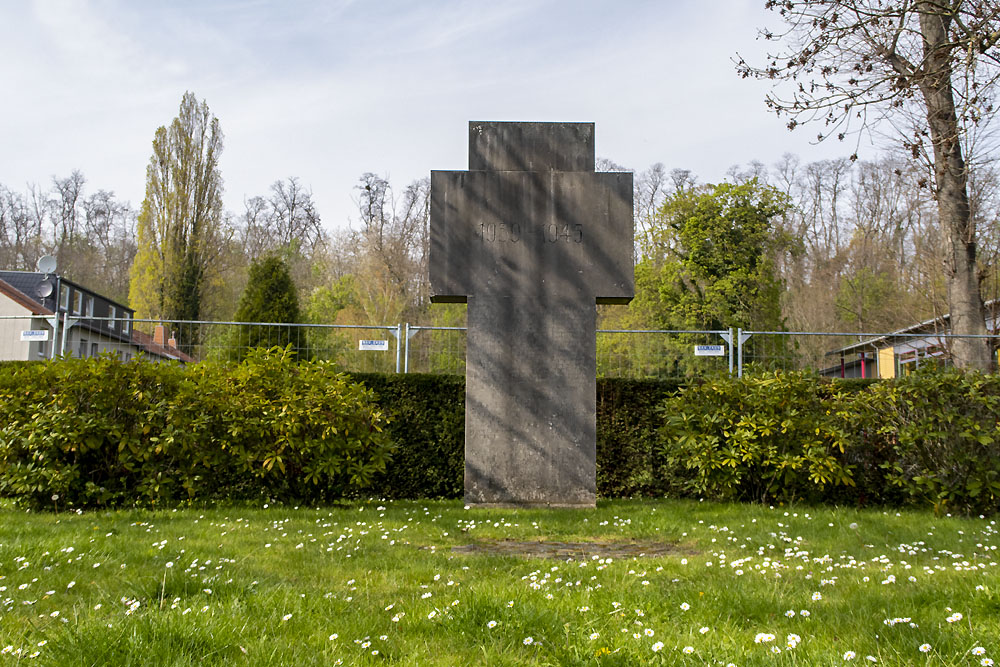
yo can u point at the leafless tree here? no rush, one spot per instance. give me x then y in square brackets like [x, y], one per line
[928, 70]
[21, 241]
[64, 204]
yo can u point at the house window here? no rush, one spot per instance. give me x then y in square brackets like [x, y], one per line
[83, 348]
[113, 313]
[93, 350]
[126, 323]
[64, 297]
[90, 306]
[77, 302]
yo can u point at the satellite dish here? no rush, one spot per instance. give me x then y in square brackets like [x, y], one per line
[46, 264]
[45, 288]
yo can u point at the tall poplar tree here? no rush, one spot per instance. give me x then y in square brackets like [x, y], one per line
[180, 224]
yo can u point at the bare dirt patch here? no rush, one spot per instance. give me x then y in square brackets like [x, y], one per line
[575, 550]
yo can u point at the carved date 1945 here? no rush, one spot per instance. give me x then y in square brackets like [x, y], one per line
[567, 233]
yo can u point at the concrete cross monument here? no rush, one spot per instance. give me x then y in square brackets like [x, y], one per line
[531, 237]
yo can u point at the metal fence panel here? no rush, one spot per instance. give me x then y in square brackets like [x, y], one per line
[388, 348]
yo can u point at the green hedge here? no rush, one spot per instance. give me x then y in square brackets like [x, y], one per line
[102, 432]
[628, 464]
[427, 422]
[926, 439]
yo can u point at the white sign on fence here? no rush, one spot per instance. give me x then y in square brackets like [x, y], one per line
[709, 350]
[373, 345]
[35, 335]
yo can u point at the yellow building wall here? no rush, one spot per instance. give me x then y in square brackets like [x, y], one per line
[887, 363]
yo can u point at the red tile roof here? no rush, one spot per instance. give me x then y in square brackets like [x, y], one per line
[145, 342]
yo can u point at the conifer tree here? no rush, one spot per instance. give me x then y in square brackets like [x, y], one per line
[270, 297]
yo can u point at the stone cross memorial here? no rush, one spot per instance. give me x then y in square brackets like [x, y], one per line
[531, 237]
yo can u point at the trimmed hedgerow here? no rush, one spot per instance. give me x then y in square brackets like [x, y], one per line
[102, 432]
[427, 423]
[628, 462]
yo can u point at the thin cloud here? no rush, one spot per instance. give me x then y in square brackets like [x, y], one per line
[328, 90]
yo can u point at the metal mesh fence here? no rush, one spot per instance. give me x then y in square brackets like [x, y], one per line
[358, 348]
[434, 350]
[620, 353]
[419, 349]
[654, 353]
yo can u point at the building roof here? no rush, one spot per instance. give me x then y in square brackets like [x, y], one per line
[29, 282]
[146, 343]
[930, 327]
[22, 299]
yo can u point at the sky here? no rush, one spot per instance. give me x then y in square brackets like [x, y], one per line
[326, 90]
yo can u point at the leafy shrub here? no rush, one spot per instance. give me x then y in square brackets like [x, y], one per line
[941, 427]
[85, 433]
[107, 432]
[773, 436]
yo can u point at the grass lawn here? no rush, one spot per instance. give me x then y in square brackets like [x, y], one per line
[378, 582]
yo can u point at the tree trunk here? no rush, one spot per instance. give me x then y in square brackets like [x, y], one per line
[968, 316]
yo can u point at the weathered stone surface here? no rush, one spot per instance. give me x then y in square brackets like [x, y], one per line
[531, 238]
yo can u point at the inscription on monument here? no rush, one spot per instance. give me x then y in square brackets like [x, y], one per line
[491, 232]
[531, 237]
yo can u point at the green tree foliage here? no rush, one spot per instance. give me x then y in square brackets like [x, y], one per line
[180, 224]
[270, 296]
[708, 262]
[322, 307]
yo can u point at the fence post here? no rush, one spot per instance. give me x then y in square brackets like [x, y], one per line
[62, 345]
[741, 338]
[55, 336]
[730, 341]
[406, 350]
[406, 347]
[739, 352]
[399, 345]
